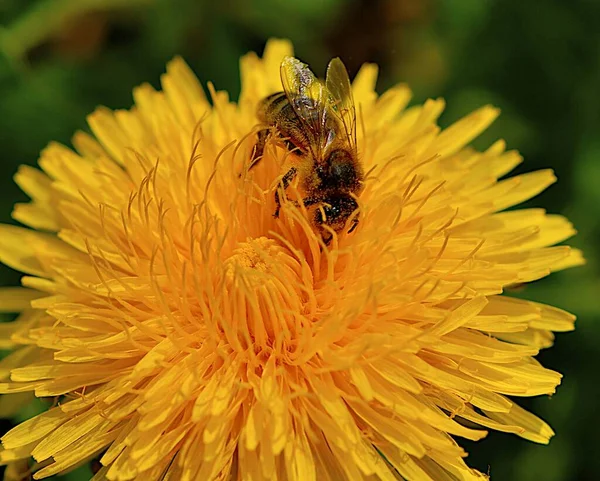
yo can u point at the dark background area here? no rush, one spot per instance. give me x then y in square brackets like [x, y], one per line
[539, 61]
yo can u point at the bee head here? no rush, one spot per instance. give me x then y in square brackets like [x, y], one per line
[335, 212]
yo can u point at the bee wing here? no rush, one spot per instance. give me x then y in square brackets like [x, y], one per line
[338, 85]
[309, 99]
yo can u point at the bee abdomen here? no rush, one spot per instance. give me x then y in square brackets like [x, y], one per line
[276, 111]
[271, 107]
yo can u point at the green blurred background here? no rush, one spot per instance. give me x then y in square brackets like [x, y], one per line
[539, 61]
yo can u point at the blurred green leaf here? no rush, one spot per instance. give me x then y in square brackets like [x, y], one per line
[45, 18]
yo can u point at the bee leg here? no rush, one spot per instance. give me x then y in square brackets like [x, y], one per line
[259, 148]
[284, 183]
[354, 224]
[308, 201]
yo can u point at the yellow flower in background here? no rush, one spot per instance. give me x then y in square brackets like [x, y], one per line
[191, 335]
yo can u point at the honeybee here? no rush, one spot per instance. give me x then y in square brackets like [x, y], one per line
[316, 122]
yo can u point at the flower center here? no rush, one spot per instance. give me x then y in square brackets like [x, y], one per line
[252, 256]
[266, 295]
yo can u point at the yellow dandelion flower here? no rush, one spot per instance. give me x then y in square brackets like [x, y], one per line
[190, 335]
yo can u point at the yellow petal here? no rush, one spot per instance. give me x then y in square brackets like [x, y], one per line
[535, 429]
[18, 249]
[17, 299]
[462, 132]
[34, 429]
[363, 86]
[69, 432]
[459, 316]
[184, 92]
